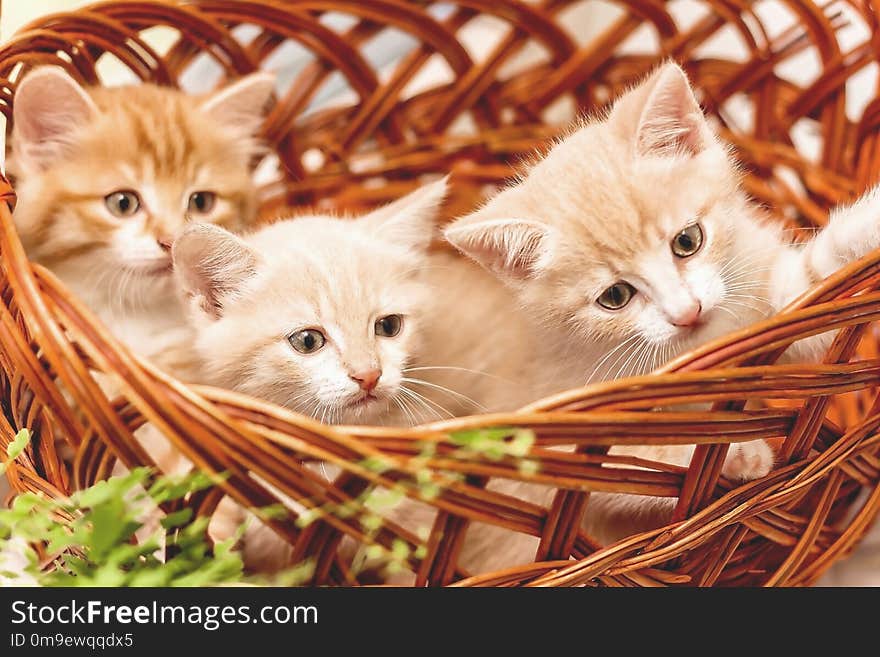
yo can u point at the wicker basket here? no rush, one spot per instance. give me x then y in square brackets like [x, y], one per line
[499, 101]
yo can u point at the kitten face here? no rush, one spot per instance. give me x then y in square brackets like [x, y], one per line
[630, 232]
[317, 314]
[663, 279]
[107, 177]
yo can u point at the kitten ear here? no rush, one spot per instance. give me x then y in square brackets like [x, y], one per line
[410, 221]
[242, 104]
[211, 263]
[512, 248]
[662, 117]
[49, 108]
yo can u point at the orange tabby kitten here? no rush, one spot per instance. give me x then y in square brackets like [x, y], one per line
[106, 177]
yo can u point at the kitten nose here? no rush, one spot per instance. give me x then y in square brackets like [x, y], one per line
[165, 242]
[689, 316]
[367, 379]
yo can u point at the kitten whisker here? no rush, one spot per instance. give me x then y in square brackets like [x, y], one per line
[756, 309]
[431, 402]
[731, 286]
[651, 359]
[736, 266]
[750, 297]
[728, 311]
[293, 402]
[608, 355]
[420, 407]
[457, 369]
[638, 348]
[418, 414]
[410, 419]
[427, 402]
[446, 390]
[744, 258]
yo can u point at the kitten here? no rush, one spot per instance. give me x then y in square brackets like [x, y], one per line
[106, 177]
[352, 321]
[318, 314]
[634, 241]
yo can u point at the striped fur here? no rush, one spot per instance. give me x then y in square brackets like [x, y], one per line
[73, 146]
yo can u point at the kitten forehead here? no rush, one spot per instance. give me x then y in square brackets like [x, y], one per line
[591, 189]
[158, 132]
[329, 270]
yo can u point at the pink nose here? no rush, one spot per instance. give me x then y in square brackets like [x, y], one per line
[689, 316]
[165, 242]
[367, 379]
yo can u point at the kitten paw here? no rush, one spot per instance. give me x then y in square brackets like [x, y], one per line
[747, 461]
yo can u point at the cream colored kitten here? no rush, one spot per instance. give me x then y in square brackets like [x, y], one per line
[106, 177]
[634, 242]
[353, 321]
[337, 318]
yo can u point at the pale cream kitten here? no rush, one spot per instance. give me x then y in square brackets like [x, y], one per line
[336, 318]
[106, 177]
[353, 321]
[632, 242]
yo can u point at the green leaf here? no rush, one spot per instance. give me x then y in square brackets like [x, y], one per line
[428, 448]
[472, 436]
[377, 464]
[151, 578]
[399, 550]
[295, 575]
[383, 499]
[110, 527]
[275, 512]
[371, 522]
[177, 487]
[108, 575]
[375, 551]
[177, 518]
[522, 442]
[109, 489]
[27, 502]
[529, 466]
[347, 509]
[92, 533]
[307, 517]
[429, 491]
[16, 447]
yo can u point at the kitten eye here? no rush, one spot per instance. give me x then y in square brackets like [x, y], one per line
[389, 326]
[616, 296]
[307, 341]
[688, 241]
[202, 202]
[123, 203]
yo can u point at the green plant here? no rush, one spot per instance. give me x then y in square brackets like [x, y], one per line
[97, 536]
[371, 506]
[89, 539]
